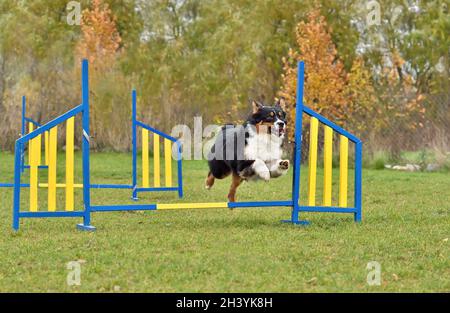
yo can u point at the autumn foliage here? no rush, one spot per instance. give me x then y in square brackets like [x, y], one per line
[351, 98]
[100, 43]
[325, 78]
[100, 39]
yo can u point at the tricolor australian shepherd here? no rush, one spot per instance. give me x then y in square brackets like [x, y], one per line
[252, 150]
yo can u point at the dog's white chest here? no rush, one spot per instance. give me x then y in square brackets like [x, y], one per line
[264, 147]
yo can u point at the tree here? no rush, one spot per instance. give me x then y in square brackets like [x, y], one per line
[362, 102]
[100, 43]
[100, 40]
[325, 76]
[402, 107]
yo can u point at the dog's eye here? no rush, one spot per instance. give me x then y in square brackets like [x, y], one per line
[272, 114]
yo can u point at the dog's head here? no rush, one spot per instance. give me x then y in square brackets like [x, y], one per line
[271, 119]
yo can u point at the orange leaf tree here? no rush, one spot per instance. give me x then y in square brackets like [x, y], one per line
[100, 43]
[100, 40]
[325, 77]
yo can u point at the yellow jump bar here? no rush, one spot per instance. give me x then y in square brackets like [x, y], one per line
[30, 144]
[343, 172]
[328, 165]
[34, 162]
[70, 134]
[312, 172]
[156, 160]
[207, 205]
[168, 162]
[53, 148]
[45, 185]
[145, 174]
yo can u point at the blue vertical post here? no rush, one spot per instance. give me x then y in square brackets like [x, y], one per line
[24, 110]
[134, 143]
[298, 146]
[17, 173]
[358, 181]
[85, 146]
[23, 131]
[180, 169]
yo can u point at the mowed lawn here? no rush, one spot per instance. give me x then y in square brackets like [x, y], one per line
[406, 228]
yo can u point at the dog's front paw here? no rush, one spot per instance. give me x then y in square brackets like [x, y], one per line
[283, 165]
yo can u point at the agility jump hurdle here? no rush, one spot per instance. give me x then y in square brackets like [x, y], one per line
[169, 142]
[294, 203]
[36, 161]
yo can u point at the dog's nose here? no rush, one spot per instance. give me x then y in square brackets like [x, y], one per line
[280, 124]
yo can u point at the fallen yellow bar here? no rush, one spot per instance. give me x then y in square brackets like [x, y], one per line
[312, 172]
[168, 162]
[156, 160]
[207, 205]
[32, 146]
[70, 135]
[343, 171]
[328, 165]
[52, 169]
[145, 173]
[45, 185]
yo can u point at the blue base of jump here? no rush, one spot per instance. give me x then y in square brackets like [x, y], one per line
[86, 227]
[302, 223]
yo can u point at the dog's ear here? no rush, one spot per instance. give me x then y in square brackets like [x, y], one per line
[256, 106]
[281, 103]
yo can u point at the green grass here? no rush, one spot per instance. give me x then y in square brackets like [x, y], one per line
[406, 218]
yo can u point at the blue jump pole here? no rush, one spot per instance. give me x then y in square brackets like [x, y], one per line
[23, 131]
[85, 146]
[17, 173]
[180, 169]
[24, 110]
[134, 143]
[298, 147]
[358, 181]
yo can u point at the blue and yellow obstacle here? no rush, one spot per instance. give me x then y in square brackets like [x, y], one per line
[32, 138]
[45, 157]
[169, 144]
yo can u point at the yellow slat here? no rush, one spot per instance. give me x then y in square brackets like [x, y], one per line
[30, 143]
[70, 135]
[206, 205]
[343, 171]
[38, 142]
[312, 172]
[33, 162]
[145, 173]
[168, 162]
[328, 165]
[52, 169]
[156, 160]
[46, 147]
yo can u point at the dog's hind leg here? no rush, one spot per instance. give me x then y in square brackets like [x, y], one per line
[236, 180]
[209, 182]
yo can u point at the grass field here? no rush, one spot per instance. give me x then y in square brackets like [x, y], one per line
[406, 226]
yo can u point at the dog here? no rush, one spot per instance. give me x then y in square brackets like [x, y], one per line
[252, 151]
